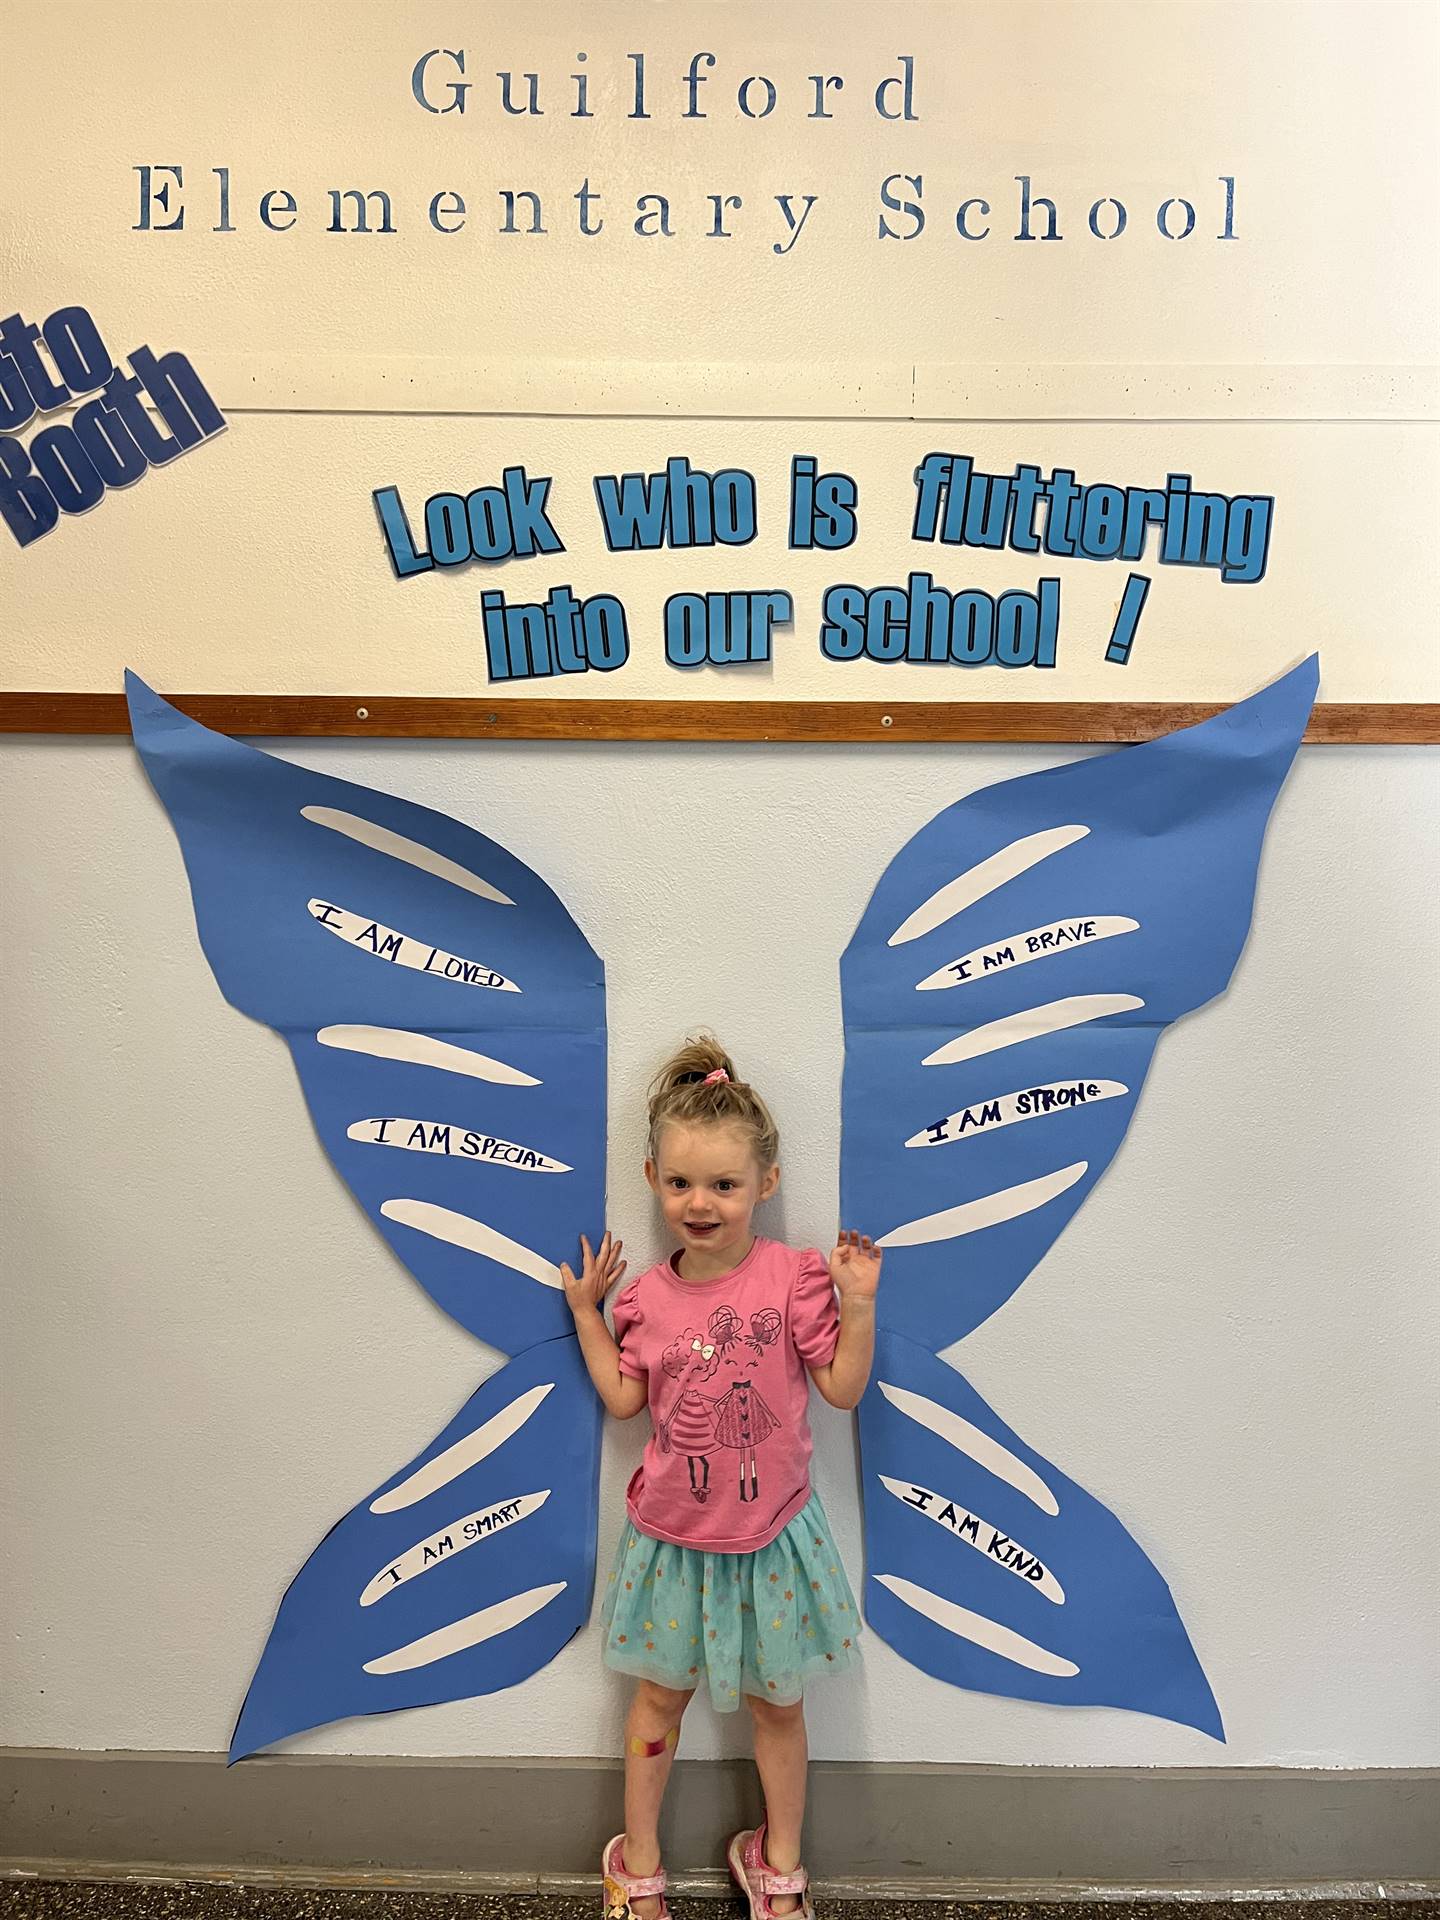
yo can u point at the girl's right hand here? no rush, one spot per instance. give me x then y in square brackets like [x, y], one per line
[599, 1272]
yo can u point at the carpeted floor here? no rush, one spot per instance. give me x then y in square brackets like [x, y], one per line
[111, 1900]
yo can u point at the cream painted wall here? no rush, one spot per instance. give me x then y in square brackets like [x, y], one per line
[209, 1355]
[1320, 110]
[1285, 347]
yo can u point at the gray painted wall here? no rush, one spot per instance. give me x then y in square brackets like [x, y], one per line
[916, 1829]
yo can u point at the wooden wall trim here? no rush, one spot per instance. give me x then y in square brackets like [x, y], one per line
[928, 722]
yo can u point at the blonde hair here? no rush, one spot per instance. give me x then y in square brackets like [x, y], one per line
[683, 1094]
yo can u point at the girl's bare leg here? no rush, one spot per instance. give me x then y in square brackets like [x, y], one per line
[654, 1712]
[781, 1755]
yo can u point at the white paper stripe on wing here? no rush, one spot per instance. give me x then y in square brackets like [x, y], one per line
[468, 1632]
[1029, 1024]
[1011, 1109]
[454, 1141]
[983, 878]
[418, 1049]
[1002, 1548]
[974, 1442]
[405, 949]
[474, 1236]
[980, 1629]
[464, 1453]
[413, 852]
[989, 1210]
[1018, 949]
[446, 1542]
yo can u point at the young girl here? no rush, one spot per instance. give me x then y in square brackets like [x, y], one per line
[726, 1570]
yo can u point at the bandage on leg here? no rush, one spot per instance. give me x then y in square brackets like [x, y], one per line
[650, 1749]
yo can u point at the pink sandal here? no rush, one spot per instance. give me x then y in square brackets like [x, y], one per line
[622, 1887]
[758, 1880]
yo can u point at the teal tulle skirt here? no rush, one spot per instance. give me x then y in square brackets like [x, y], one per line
[760, 1623]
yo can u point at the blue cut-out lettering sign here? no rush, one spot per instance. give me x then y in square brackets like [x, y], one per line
[112, 440]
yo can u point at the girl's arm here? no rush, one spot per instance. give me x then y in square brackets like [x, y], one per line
[855, 1270]
[622, 1394]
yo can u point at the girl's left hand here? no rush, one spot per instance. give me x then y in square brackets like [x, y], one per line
[855, 1265]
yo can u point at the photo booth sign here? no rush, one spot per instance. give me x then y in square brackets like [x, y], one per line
[759, 374]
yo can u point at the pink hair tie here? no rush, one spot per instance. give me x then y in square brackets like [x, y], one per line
[711, 1078]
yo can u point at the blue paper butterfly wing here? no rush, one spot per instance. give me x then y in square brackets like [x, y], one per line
[488, 1091]
[989, 1568]
[1127, 901]
[427, 1164]
[446, 1017]
[465, 1573]
[1058, 922]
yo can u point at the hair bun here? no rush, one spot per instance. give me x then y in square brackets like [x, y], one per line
[693, 1064]
[698, 1085]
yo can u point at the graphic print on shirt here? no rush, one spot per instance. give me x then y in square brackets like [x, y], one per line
[689, 1426]
[742, 1419]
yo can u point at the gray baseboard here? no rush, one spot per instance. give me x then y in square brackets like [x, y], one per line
[917, 1829]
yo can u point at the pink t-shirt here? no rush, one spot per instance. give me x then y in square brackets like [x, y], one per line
[727, 1465]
